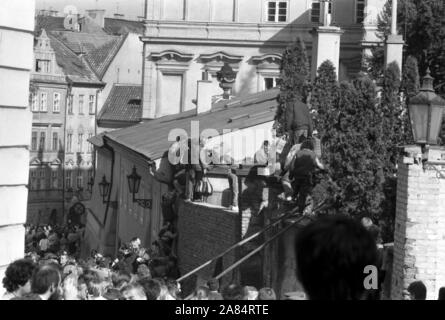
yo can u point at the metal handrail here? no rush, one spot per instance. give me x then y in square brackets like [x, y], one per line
[237, 245]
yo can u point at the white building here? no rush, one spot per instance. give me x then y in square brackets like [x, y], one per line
[16, 60]
[184, 38]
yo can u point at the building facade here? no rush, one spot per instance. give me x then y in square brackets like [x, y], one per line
[64, 105]
[48, 106]
[184, 39]
[16, 61]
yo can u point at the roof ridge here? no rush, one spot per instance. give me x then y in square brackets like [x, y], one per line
[117, 49]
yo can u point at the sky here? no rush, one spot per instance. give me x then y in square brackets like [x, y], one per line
[130, 8]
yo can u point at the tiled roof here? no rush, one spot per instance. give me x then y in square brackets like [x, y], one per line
[150, 138]
[73, 66]
[98, 49]
[123, 104]
[49, 23]
[121, 26]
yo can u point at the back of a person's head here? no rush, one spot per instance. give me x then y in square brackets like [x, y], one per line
[152, 288]
[233, 292]
[250, 293]
[441, 294]
[332, 253]
[307, 144]
[133, 291]
[202, 293]
[418, 290]
[213, 284]
[18, 274]
[44, 277]
[266, 294]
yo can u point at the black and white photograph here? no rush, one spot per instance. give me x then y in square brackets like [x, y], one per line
[215, 152]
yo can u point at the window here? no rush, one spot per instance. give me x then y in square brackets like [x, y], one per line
[91, 103]
[55, 179]
[42, 143]
[316, 11]
[79, 142]
[81, 101]
[359, 11]
[90, 145]
[34, 141]
[68, 181]
[42, 179]
[33, 184]
[270, 82]
[277, 11]
[55, 141]
[43, 101]
[69, 142]
[56, 102]
[43, 66]
[70, 104]
[34, 104]
[79, 180]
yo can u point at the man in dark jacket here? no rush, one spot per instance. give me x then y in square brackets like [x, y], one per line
[304, 166]
[298, 121]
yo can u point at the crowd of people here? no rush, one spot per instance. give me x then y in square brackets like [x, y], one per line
[332, 252]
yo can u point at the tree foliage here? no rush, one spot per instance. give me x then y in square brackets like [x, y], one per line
[324, 96]
[294, 80]
[422, 24]
[410, 78]
[349, 151]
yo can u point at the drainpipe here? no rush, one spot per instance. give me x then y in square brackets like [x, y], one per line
[108, 147]
[70, 86]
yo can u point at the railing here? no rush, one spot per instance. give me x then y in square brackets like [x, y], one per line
[291, 213]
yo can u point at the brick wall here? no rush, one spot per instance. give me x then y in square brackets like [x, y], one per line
[204, 232]
[419, 240]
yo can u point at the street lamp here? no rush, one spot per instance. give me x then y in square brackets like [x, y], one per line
[90, 184]
[104, 188]
[134, 182]
[426, 111]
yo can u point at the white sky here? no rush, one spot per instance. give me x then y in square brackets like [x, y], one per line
[130, 8]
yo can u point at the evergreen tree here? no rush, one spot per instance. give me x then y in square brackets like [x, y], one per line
[353, 163]
[294, 80]
[411, 80]
[395, 114]
[422, 24]
[324, 96]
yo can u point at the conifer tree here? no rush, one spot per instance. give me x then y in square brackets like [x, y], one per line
[411, 80]
[324, 96]
[294, 80]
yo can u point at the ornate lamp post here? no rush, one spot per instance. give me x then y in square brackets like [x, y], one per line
[134, 182]
[426, 113]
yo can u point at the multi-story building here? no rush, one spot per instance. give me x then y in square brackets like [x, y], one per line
[63, 101]
[184, 38]
[75, 70]
[110, 46]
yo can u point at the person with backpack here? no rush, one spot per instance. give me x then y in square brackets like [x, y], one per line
[301, 172]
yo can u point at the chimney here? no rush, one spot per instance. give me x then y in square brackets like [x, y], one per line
[204, 94]
[98, 16]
